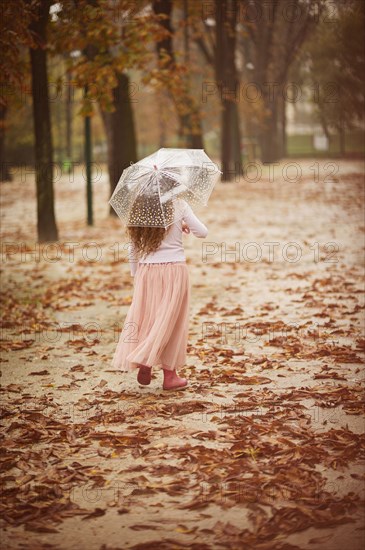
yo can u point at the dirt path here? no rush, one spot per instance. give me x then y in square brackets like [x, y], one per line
[266, 448]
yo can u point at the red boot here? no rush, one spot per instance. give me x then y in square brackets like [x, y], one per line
[172, 381]
[144, 375]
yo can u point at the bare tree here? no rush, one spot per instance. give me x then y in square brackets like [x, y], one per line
[178, 90]
[218, 46]
[276, 34]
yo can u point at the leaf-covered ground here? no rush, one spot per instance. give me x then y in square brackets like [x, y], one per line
[264, 451]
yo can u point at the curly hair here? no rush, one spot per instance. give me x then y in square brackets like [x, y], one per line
[147, 239]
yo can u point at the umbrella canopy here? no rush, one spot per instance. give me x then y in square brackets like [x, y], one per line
[146, 192]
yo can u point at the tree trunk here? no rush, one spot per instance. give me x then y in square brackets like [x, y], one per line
[120, 132]
[226, 77]
[341, 135]
[69, 101]
[279, 129]
[271, 137]
[192, 140]
[161, 120]
[5, 174]
[342, 140]
[46, 221]
[284, 140]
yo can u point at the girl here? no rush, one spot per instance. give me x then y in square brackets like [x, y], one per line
[156, 326]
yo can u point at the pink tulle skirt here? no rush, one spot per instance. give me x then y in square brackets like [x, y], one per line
[155, 331]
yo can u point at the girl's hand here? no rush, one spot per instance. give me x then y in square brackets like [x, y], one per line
[185, 228]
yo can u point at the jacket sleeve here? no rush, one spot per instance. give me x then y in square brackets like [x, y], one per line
[194, 224]
[133, 260]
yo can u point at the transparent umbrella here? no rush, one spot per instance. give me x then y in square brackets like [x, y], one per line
[146, 192]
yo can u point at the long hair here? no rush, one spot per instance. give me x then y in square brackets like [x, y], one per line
[147, 239]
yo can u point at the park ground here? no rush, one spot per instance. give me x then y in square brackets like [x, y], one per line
[265, 449]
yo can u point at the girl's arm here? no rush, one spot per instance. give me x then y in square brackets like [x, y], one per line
[194, 224]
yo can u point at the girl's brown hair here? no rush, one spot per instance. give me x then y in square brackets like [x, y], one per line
[147, 239]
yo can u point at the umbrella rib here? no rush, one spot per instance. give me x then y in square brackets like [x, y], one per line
[159, 194]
